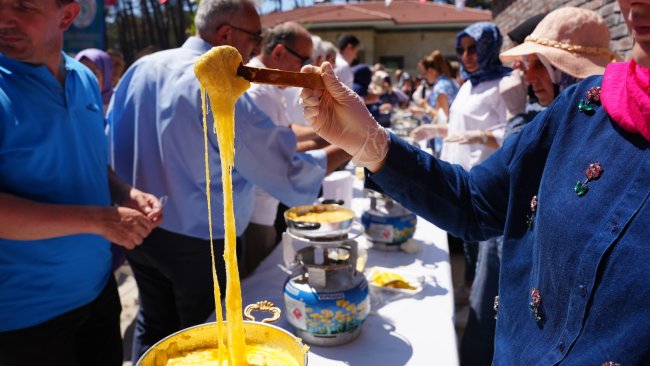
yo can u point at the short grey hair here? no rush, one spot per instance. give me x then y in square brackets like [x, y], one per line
[284, 33]
[330, 49]
[318, 50]
[212, 13]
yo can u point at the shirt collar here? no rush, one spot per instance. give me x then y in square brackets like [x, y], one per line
[256, 62]
[10, 66]
[197, 44]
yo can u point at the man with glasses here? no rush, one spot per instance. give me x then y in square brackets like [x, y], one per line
[287, 46]
[157, 134]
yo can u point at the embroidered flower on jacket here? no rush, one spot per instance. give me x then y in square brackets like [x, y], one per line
[593, 172]
[593, 97]
[533, 209]
[536, 301]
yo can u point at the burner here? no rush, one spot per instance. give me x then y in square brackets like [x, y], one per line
[326, 298]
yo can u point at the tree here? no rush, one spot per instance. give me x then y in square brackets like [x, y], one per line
[141, 26]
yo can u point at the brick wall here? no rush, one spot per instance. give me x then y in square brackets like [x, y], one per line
[511, 13]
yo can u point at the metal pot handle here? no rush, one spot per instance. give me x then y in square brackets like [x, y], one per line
[267, 306]
[306, 225]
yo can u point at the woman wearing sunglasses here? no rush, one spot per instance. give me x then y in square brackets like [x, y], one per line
[569, 194]
[475, 129]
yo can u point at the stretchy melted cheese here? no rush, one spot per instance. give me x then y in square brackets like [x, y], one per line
[216, 71]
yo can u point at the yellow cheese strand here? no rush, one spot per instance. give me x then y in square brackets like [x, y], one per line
[217, 290]
[216, 71]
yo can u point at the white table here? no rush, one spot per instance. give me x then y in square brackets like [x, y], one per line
[400, 330]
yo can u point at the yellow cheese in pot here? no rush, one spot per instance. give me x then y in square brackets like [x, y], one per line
[255, 356]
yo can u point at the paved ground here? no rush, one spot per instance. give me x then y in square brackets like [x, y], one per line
[129, 297]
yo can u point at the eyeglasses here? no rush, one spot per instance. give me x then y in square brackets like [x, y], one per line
[257, 37]
[471, 50]
[305, 60]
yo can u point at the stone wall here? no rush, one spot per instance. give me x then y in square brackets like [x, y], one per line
[510, 13]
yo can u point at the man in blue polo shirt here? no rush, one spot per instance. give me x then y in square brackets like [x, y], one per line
[58, 299]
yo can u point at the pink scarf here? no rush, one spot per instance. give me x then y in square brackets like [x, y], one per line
[625, 95]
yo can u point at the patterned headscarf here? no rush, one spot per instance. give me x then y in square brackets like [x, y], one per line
[103, 62]
[488, 44]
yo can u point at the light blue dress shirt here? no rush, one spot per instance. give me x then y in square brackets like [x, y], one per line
[156, 129]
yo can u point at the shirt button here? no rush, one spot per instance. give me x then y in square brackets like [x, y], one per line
[614, 228]
[561, 347]
[583, 291]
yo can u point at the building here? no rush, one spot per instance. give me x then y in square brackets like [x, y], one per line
[397, 35]
[509, 13]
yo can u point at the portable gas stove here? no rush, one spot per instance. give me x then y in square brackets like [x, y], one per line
[326, 298]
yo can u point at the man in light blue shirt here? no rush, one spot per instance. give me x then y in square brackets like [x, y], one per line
[157, 133]
[59, 303]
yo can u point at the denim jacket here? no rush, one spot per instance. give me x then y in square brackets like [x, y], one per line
[575, 283]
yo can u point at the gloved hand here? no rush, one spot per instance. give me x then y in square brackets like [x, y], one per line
[429, 131]
[338, 115]
[468, 137]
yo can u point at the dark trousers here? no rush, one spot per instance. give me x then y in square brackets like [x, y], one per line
[477, 345]
[260, 241]
[471, 256]
[174, 277]
[88, 335]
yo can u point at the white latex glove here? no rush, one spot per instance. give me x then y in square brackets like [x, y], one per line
[468, 137]
[429, 131]
[338, 115]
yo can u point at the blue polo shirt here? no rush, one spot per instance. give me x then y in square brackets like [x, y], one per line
[52, 149]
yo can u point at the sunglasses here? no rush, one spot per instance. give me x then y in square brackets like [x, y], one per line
[305, 60]
[257, 37]
[471, 50]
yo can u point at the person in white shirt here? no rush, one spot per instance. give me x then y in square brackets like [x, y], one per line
[349, 46]
[287, 46]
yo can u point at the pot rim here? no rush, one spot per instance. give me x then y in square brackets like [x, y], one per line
[256, 323]
[310, 229]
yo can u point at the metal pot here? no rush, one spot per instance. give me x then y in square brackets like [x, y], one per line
[312, 229]
[387, 224]
[204, 336]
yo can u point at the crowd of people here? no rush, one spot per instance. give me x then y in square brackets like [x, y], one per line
[548, 260]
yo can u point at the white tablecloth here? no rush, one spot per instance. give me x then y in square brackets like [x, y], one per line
[413, 330]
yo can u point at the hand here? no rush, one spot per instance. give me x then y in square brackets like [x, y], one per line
[146, 203]
[124, 226]
[468, 137]
[385, 108]
[417, 111]
[429, 131]
[339, 116]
